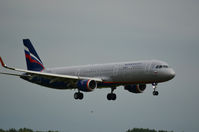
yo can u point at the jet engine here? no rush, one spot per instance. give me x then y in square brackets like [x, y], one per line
[135, 88]
[86, 85]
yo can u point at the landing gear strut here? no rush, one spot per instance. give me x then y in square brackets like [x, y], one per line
[155, 93]
[78, 95]
[112, 96]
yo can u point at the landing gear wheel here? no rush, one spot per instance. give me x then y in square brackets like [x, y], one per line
[81, 96]
[114, 96]
[111, 96]
[78, 95]
[155, 93]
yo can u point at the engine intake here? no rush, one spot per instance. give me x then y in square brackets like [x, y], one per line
[86, 85]
[135, 88]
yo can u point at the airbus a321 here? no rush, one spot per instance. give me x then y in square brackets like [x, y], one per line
[134, 76]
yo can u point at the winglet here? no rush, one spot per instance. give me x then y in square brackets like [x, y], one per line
[2, 63]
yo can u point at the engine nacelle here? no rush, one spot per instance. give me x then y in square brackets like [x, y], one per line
[86, 85]
[135, 88]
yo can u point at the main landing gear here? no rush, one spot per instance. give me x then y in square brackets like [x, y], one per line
[78, 95]
[112, 96]
[155, 93]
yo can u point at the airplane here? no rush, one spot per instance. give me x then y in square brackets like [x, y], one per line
[132, 75]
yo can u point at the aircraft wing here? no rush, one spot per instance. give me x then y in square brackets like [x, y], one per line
[46, 75]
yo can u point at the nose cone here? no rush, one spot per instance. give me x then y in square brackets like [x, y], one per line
[171, 74]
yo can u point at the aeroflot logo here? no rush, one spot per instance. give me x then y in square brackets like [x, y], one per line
[30, 56]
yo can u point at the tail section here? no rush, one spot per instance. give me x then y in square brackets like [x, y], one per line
[33, 61]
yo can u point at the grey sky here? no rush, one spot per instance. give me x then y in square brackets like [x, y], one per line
[76, 32]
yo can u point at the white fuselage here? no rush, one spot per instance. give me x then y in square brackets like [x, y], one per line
[122, 73]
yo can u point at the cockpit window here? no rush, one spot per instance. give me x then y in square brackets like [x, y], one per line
[165, 66]
[161, 66]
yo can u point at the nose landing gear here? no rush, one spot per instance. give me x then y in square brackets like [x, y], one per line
[155, 93]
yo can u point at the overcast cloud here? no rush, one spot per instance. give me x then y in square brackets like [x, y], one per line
[77, 32]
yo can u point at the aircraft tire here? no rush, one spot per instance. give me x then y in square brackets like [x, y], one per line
[114, 96]
[81, 96]
[76, 96]
[111, 96]
[155, 93]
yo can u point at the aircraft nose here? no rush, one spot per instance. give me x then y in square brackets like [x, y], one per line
[172, 74]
